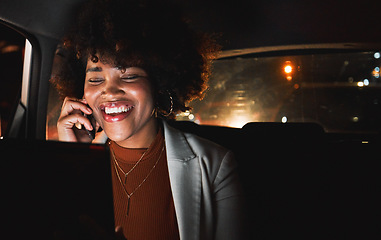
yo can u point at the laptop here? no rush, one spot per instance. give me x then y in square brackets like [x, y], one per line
[55, 190]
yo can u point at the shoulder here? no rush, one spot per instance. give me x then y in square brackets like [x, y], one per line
[189, 142]
[183, 146]
[215, 159]
[205, 147]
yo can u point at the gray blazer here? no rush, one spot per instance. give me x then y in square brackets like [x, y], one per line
[205, 186]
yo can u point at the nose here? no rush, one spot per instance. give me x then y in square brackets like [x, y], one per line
[112, 90]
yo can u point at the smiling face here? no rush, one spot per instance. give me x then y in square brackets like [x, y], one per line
[122, 103]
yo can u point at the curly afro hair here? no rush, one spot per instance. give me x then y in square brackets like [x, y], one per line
[151, 35]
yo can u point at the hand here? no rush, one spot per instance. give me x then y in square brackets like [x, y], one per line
[119, 233]
[71, 116]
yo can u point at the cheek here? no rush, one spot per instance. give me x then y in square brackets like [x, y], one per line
[90, 94]
[145, 98]
[141, 93]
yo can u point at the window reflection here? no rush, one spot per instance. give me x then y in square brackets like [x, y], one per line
[329, 89]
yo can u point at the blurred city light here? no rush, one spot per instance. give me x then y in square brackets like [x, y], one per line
[288, 69]
[376, 72]
[284, 119]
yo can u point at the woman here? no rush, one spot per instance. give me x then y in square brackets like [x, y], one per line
[129, 66]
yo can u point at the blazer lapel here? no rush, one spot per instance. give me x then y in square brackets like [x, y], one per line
[185, 179]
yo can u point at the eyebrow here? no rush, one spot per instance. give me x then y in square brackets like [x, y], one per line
[94, 69]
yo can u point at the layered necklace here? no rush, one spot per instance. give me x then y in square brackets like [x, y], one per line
[123, 183]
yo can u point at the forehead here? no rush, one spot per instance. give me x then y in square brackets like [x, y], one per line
[98, 66]
[94, 69]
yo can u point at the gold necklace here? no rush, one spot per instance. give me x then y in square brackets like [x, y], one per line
[129, 195]
[133, 167]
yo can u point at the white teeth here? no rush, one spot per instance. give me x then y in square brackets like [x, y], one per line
[113, 110]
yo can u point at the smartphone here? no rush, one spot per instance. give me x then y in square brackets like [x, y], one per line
[93, 123]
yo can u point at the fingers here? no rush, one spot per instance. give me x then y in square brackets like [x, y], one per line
[119, 233]
[72, 114]
[70, 105]
[76, 119]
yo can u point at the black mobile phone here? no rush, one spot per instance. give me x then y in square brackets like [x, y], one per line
[93, 123]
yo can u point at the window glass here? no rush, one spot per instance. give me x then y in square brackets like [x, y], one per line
[54, 103]
[54, 110]
[340, 91]
[11, 67]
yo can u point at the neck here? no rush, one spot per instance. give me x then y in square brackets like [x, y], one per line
[144, 137]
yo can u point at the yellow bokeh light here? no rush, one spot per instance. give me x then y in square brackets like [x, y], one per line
[288, 69]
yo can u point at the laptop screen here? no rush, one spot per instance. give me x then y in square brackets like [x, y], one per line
[55, 190]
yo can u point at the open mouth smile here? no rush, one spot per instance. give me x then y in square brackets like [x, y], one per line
[115, 111]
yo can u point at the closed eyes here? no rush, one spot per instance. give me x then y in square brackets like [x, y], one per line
[128, 79]
[95, 81]
[132, 77]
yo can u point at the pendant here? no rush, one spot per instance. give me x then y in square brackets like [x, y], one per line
[128, 205]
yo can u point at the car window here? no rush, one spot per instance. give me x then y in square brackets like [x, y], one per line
[11, 68]
[54, 102]
[340, 91]
[54, 110]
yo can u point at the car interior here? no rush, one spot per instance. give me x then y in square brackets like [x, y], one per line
[305, 179]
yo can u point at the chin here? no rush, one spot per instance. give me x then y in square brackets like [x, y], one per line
[116, 134]
[117, 137]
